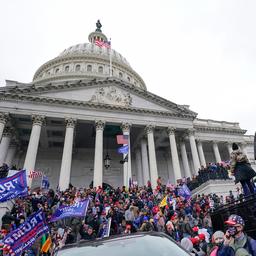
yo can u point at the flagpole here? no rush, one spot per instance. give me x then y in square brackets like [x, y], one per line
[110, 60]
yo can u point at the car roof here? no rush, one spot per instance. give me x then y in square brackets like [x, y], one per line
[99, 241]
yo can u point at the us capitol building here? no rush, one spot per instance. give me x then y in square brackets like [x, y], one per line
[65, 123]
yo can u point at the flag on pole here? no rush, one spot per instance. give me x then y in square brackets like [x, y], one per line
[35, 174]
[122, 139]
[163, 202]
[45, 182]
[105, 43]
[46, 245]
[123, 149]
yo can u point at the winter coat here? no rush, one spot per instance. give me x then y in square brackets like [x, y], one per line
[240, 166]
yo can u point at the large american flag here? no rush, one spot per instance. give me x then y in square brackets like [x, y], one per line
[35, 174]
[106, 44]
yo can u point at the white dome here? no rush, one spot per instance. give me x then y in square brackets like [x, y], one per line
[88, 48]
[88, 61]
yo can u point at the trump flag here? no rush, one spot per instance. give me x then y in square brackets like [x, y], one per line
[77, 209]
[13, 186]
[26, 234]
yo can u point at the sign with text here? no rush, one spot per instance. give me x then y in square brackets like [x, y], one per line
[78, 209]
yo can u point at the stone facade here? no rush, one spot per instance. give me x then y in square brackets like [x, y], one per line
[66, 121]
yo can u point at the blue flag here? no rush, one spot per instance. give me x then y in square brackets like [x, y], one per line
[184, 191]
[45, 183]
[13, 186]
[78, 209]
[106, 228]
[123, 149]
[27, 233]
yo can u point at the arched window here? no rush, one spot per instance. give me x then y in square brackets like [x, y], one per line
[120, 75]
[128, 78]
[78, 67]
[67, 68]
[57, 71]
[100, 69]
[89, 68]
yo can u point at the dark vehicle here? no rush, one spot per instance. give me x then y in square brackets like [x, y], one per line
[148, 244]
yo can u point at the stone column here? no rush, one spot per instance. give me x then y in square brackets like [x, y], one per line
[201, 153]
[65, 169]
[216, 152]
[152, 156]
[229, 147]
[127, 169]
[98, 154]
[144, 158]
[174, 153]
[4, 117]
[185, 158]
[243, 147]
[11, 153]
[30, 159]
[139, 167]
[4, 145]
[195, 157]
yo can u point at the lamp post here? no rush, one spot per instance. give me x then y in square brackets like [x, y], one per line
[107, 161]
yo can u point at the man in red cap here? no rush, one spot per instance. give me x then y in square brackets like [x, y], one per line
[236, 238]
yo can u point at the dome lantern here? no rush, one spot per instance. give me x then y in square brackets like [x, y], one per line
[97, 35]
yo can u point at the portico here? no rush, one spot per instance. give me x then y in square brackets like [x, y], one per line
[66, 120]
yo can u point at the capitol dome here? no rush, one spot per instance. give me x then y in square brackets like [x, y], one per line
[88, 61]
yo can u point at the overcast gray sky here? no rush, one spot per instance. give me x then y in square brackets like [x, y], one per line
[200, 53]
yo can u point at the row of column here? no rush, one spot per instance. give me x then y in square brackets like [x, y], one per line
[149, 172]
[147, 158]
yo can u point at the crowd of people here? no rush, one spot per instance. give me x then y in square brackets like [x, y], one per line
[168, 209]
[185, 219]
[213, 171]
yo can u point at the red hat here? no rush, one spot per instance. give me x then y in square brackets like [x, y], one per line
[195, 229]
[194, 240]
[201, 236]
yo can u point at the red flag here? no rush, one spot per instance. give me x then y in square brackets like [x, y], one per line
[122, 139]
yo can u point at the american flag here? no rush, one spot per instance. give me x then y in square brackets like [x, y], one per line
[122, 139]
[106, 44]
[35, 174]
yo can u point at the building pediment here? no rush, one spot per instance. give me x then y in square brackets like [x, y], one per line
[108, 92]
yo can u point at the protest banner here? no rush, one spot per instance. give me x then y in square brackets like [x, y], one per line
[13, 186]
[27, 233]
[78, 209]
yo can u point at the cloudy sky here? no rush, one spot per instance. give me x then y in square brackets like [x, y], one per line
[200, 53]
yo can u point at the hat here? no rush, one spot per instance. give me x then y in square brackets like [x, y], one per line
[195, 229]
[145, 218]
[218, 234]
[234, 146]
[187, 244]
[234, 220]
[195, 240]
[201, 236]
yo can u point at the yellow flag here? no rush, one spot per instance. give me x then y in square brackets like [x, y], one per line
[163, 202]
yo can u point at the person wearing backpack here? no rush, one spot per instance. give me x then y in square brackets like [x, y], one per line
[236, 238]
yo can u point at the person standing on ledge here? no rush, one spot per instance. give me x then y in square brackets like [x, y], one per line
[241, 168]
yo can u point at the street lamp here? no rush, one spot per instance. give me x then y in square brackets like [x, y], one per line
[107, 161]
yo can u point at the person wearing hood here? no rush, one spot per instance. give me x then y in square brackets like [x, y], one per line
[218, 248]
[241, 168]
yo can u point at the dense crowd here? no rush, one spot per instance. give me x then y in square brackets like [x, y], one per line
[213, 171]
[133, 210]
